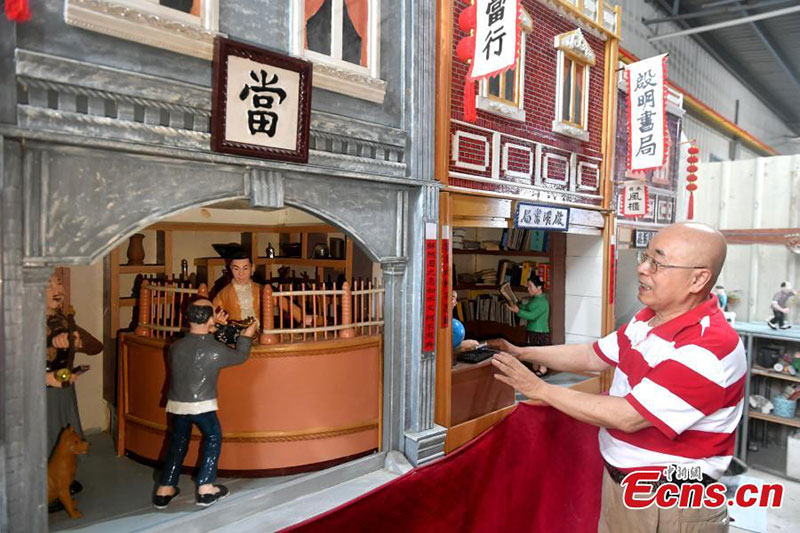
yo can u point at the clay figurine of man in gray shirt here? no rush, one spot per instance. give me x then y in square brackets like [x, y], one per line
[194, 365]
[780, 308]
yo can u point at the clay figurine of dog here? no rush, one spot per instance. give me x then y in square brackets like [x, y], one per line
[61, 469]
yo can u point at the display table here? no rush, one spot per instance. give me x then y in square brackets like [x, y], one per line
[288, 408]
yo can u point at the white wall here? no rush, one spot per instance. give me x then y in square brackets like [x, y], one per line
[583, 305]
[86, 295]
[756, 193]
[626, 294]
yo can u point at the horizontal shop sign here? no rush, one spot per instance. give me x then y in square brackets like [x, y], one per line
[544, 217]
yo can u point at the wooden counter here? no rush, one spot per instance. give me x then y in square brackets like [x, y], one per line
[289, 407]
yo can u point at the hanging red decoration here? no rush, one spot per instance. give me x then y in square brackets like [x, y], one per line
[691, 186]
[18, 10]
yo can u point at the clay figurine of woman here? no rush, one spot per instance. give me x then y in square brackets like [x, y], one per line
[536, 310]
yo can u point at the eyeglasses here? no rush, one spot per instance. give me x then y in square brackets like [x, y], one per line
[654, 265]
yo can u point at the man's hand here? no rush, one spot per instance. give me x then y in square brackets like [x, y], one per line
[514, 308]
[250, 330]
[220, 316]
[503, 345]
[514, 373]
[61, 341]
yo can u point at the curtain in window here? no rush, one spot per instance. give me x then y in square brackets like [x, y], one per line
[195, 8]
[358, 10]
[312, 6]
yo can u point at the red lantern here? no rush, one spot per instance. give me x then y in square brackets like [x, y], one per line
[692, 178]
[464, 50]
[18, 10]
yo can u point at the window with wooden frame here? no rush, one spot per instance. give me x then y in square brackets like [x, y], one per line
[184, 26]
[342, 39]
[574, 61]
[504, 94]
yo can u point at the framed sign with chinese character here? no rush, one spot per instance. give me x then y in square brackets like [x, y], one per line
[635, 199]
[261, 102]
[545, 217]
[642, 237]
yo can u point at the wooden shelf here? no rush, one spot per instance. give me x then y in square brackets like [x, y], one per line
[142, 269]
[520, 253]
[793, 422]
[473, 287]
[332, 263]
[777, 375]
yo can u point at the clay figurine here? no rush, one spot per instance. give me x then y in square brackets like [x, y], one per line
[779, 307]
[194, 365]
[61, 470]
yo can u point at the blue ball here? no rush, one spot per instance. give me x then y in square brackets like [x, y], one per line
[458, 332]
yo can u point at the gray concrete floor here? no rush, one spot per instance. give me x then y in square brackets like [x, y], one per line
[787, 517]
[117, 493]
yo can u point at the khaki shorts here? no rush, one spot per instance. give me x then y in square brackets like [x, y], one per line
[616, 518]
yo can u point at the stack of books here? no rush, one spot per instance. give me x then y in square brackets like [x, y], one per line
[487, 276]
[458, 238]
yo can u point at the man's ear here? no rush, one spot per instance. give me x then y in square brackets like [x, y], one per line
[700, 279]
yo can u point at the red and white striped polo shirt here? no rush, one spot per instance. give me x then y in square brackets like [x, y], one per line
[687, 378]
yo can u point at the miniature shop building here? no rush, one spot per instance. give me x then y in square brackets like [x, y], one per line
[634, 233]
[104, 126]
[542, 136]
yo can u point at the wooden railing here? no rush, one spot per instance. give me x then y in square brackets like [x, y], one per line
[325, 313]
[161, 305]
[314, 312]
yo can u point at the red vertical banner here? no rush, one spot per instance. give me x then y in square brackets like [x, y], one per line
[429, 318]
[612, 273]
[446, 302]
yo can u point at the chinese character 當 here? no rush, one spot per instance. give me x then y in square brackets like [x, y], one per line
[259, 120]
[496, 9]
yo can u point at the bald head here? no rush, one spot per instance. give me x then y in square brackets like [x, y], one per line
[695, 244]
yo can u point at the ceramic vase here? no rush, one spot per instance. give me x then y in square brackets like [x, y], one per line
[136, 249]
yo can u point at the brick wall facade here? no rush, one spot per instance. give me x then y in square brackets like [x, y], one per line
[530, 152]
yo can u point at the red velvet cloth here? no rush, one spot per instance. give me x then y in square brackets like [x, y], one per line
[537, 470]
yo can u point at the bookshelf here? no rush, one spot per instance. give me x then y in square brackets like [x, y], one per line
[478, 271]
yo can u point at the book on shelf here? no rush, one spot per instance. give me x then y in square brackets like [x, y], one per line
[508, 293]
[517, 240]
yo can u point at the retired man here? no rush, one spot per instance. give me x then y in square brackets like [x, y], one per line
[678, 387]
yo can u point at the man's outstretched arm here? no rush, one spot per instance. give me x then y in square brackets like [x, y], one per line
[564, 357]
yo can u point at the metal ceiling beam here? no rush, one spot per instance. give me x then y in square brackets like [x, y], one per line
[733, 67]
[770, 45]
[726, 24]
[709, 12]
